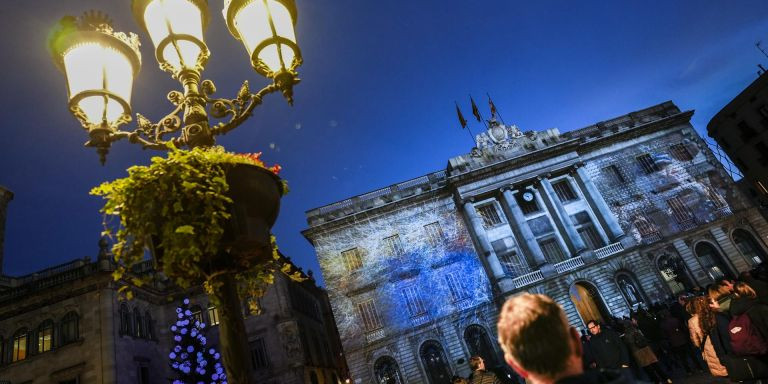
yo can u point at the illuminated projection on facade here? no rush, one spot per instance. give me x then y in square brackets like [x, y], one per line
[604, 219]
[401, 270]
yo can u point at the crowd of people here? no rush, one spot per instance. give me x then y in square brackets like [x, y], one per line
[721, 331]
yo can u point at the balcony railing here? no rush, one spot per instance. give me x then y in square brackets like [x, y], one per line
[528, 279]
[419, 319]
[570, 264]
[687, 224]
[723, 211]
[608, 250]
[375, 335]
[651, 237]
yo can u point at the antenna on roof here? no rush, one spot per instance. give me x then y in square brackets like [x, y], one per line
[761, 48]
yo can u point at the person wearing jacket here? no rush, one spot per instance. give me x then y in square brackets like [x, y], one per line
[746, 301]
[699, 325]
[540, 344]
[640, 349]
[607, 348]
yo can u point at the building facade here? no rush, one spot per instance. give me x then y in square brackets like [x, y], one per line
[604, 219]
[66, 324]
[741, 129]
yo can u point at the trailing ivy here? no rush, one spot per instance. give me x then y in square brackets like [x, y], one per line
[181, 200]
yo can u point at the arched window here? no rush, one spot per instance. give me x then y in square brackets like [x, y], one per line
[630, 289]
[150, 331]
[712, 261]
[138, 323]
[126, 324]
[748, 247]
[20, 345]
[45, 336]
[675, 273]
[385, 371]
[479, 344]
[69, 328]
[435, 363]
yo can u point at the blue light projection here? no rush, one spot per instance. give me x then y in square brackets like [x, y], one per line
[437, 272]
[190, 359]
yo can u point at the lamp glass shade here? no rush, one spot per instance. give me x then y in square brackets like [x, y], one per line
[169, 19]
[98, 76]
[253, 25]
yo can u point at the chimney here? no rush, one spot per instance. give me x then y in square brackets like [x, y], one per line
[5, 197]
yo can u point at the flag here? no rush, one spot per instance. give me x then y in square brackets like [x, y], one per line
[462, 120]
[475, 111]
[493, 107]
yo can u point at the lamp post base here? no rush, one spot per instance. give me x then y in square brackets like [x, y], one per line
[233, 339]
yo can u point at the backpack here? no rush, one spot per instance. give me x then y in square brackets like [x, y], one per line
[745, 338]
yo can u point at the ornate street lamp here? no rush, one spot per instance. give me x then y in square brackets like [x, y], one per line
[101, 64]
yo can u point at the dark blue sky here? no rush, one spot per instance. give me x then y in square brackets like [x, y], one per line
[375, 106]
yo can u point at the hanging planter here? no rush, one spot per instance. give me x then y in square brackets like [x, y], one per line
[203, 211]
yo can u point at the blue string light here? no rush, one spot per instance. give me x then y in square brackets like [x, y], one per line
[187, 358]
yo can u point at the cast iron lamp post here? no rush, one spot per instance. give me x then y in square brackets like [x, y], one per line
[100, 65]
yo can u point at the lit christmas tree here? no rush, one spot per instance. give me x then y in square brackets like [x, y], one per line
[192, 361]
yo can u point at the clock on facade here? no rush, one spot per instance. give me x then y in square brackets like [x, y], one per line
[528, 196]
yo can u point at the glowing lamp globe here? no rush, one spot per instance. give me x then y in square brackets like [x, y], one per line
[266, 28]
[176, 28]
[99, 65]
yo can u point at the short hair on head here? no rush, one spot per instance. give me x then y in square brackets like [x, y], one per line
[592, 322]
[474, 362]
[534, 332]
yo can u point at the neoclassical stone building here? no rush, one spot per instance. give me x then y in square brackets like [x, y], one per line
[604, 219]
[66, 325]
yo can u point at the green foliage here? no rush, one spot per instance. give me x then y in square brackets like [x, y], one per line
[181, 201]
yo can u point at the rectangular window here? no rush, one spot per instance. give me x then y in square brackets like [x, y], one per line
[259, 355]
[456, 287]
[197, 314]
[394, 245]
[762, 151]
[19, 347]
[590, 236]
[352, 259]
[213, 316]
[680, 152]
[647, 163]
[489, 214]
[143, 373]
[679, 210]
[613, 174]
[551, 250]
[44, 338]
[370, 316]
[564, 191]
[413, 300]
[434, 234]
[745, 131]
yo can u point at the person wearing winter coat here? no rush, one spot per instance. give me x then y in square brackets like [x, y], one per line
[701, 321]
[640, 348]
[746, 301]
[607, 348]
[679, 344]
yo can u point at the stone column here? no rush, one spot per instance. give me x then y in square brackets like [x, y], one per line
[596, 201]
[523, 230]
[5, 197]
[700, 276]
[476, 223]
[572, 238]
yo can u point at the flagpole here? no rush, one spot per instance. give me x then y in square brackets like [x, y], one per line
[497, 110]
[463, 123]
